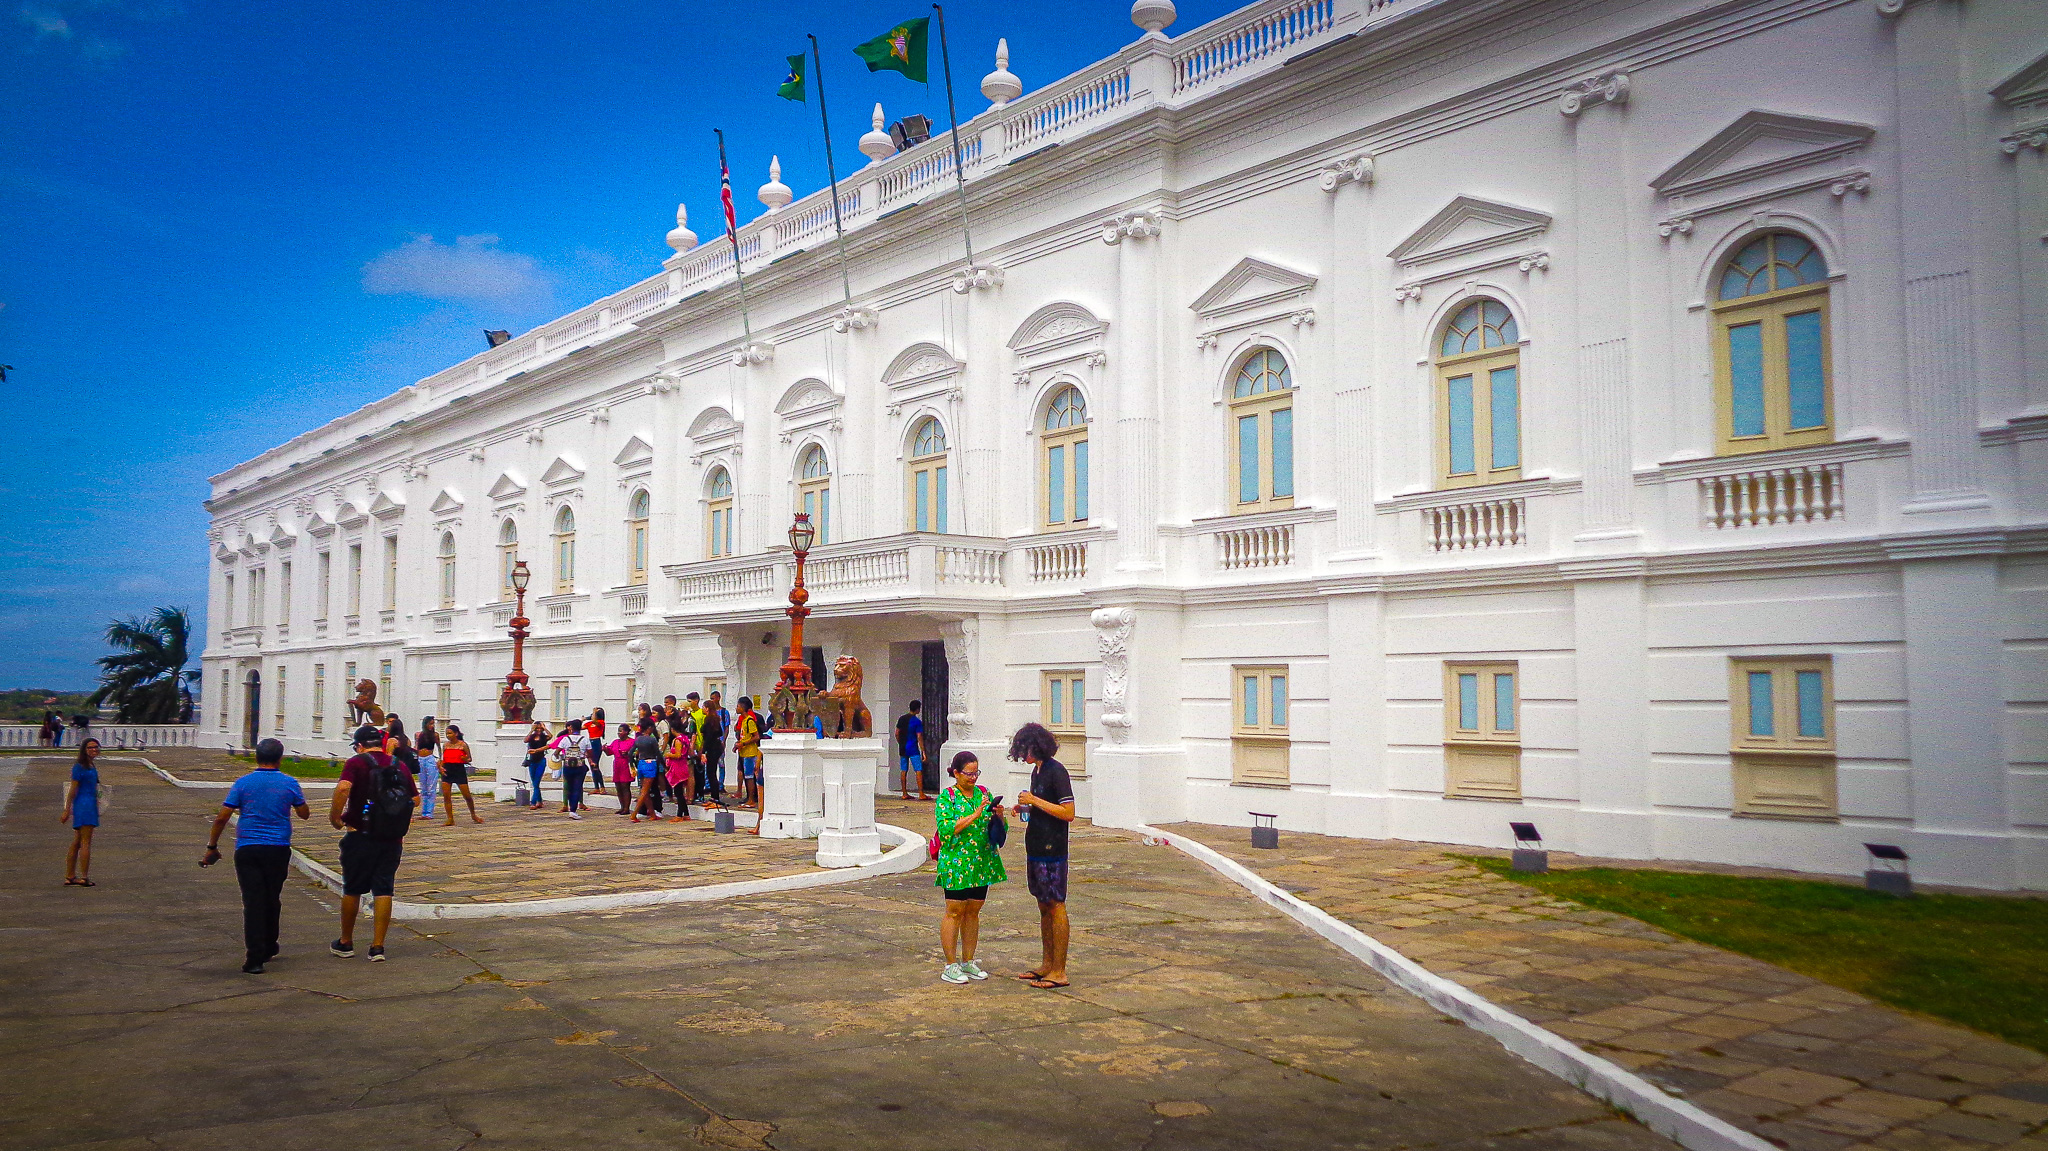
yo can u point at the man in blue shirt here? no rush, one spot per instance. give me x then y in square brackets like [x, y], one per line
[910, 749]
[267, 799]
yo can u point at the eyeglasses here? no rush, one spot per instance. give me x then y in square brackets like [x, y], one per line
[968, 771]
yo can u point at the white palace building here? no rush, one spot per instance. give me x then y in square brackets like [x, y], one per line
[1397, 416]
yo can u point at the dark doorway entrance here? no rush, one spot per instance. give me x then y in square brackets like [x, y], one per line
[255, 709]
[932, 690]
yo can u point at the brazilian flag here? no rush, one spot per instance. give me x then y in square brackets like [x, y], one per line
[793, 84]
[900, 49]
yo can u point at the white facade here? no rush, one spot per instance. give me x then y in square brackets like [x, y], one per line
[1536, 580]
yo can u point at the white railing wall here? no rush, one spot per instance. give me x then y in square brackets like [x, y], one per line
[112, 736]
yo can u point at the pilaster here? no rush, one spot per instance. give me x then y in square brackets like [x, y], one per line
[1601, 330]
[1354, 292]
[1137, 239]
[1612, 680]
[1955, 737]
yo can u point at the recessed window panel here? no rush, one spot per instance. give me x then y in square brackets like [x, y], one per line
[1505, 417]
[1746, 379]
[1283, 452]
[1805, 374]
[1461, 429]
[1813, 722]
[1762, 721]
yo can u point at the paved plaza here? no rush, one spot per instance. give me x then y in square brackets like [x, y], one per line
[1198, 1018]
[1805, 1065]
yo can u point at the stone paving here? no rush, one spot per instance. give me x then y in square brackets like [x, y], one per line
[1198, 1019]
[1800, 1063]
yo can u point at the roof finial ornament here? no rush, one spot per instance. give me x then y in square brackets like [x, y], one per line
[775, 193]
[1000, 86]
[1153, 15]
[682, 239]
[876, 145]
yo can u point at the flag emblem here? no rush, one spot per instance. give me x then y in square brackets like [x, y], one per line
[900, 49]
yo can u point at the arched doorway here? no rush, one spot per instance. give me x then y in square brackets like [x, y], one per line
[254, 710]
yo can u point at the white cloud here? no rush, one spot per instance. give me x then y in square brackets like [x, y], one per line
[472, 270]
[46, 22]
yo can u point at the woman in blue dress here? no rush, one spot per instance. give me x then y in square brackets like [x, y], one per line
[82, 812]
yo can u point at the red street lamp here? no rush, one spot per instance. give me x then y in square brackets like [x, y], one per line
[515, 702]
[790, 705]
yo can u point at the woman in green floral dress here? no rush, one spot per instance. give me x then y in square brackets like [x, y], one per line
[967, 865]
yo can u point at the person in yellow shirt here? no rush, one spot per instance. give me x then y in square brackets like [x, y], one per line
[746, 746]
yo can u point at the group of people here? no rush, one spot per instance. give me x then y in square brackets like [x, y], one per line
[440, 764]
[51, 734]
[968, 845]
[675, 748]
[674, 752]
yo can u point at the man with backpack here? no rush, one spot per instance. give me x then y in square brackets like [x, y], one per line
[374, 800]
[910, 749]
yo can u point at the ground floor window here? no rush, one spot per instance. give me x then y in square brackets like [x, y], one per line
[277, 717]
[319, 698]
[558, 701]
[384, 684]
[1482, 730]
[224, 690]
[1260, 739]
[444, 702]
[1782, 713]
[1063, 709]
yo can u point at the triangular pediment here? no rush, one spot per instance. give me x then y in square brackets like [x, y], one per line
[317, 525]
[2027, 89]
[348, 514]
[636, 451]
[564, 470]
[507, 487]
[1469, 224]
[1056, 325]
[386, 505]
[920, 362]
[281, 536]
[806, 396]
[1760, 144]
[712, 422]
[447, 503]
[1253, 283]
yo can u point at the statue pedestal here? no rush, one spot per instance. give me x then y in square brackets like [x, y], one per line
[793, 786]
[849, 837]
[506, 761]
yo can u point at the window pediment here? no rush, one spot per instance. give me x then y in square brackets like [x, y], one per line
[386, 506]
[1757, 145]
[714, 423]
[636, 452]
[1465, 225]
[282, 536]
[565, 470]
[921, 363]
[1055, 327]
[507, 487]
[447, 503]
[1254, 289]
[807, 398]
[316, 525]
[348, 515]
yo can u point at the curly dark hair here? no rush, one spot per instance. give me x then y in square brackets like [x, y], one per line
[1033, 740]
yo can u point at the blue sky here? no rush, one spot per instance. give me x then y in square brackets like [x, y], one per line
[222, 224]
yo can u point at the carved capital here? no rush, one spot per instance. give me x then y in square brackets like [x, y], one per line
[1205, 340]
[2035, 138]
[1131, 225]
[1857, 182]
[1536, 262]
[1611, 88]
[854, 320]
[600, 416]
[1350, 170]
[1676, 226]
[1407, 292]
[1305, 317]
[758, 352]
[980, 277]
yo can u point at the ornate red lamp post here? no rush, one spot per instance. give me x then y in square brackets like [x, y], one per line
[515, 702]
[790, 706]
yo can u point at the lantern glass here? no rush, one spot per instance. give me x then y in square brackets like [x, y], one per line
[801, 533]
[520, 576]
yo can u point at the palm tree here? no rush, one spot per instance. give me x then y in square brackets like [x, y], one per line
[143, 678]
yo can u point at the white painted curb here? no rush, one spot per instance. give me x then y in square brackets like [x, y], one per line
[1673, 1118]
[215, 784]
[907, 855]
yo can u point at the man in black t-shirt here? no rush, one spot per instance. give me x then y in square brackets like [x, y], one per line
[1047, 809]
[369, 860]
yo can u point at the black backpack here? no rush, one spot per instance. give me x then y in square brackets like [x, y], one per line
[387, 810]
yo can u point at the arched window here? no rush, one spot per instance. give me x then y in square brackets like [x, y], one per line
[1262, 416]
[636, 537]
[1771, 371]
[814, 491]
[1479, 397]
[927, 477]
[1063, 460]
[508, 555]
[718, 521]
[447, 556]
[565, 550]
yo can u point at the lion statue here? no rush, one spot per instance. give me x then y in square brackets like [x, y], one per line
[364, 708]
[854, 720]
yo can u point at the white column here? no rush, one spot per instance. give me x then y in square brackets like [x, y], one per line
[793, 786]
[854, 511]
[1137, 462]
[1954, 721]
[849, 837]
[1347, 442]
[979, 433]
[1600, 275]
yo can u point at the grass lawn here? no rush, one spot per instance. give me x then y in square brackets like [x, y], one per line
[301, 768]
[1977, 960]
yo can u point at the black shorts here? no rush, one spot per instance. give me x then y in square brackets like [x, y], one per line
[969, 893]
[1047, 879]
[369, 866]
[454, 773]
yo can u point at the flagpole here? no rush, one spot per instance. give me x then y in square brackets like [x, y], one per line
[959, 172]
[831, 171]
[732, 232]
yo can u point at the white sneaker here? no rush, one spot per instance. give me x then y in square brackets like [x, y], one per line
[954, 974]
[973, 969]
[575, 815]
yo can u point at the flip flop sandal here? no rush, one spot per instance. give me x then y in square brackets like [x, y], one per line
[87, 883]
[1030, 976]
[71, 883]
[1046, 984]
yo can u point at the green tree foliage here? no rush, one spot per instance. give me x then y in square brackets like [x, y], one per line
[29, 704]
[143, 677]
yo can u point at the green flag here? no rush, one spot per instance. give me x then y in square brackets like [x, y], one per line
[900, 49]
[793, 84]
